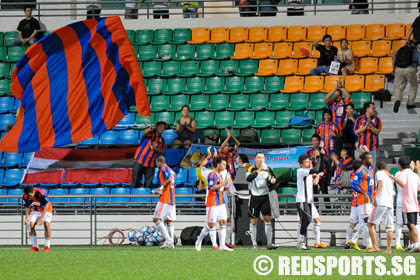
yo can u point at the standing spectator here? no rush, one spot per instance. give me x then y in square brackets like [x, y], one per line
[189, 9]
[367, 129]
[186, 127]
[344, 165]
[160, 9]
[328, 53]
[94, 10]
[405, 62]
[337, 103]
[242, 161]
[151, 144]
[414, 30]
[229, 154]
[28, 29]
[247, 8]
[358, 9]
[347, 133]
[327, 130]
[346, 58]
[131, 9]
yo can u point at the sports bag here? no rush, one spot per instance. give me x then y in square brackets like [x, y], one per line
[404, 57]
[301, 120]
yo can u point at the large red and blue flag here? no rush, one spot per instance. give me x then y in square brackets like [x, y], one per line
[74, 84]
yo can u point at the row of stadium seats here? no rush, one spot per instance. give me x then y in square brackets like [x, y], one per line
[9, 104]
[11, 54]
[10, 160]
[6, 69]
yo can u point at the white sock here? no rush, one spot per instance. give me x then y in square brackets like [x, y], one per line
[317, 233]
[222, 236]
[269, 233]
[213, 238]
[253, 230]
[398, 232]
[228, 233]
[349, 232]
[359, 232]
[164, 231]
[298, 232]
[34, 240]
[47, 242]
[366, 236]
[203, 233]
[171, 230]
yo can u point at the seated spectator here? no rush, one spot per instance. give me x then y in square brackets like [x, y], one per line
[328, 131]
[358, 9]
[242, 161]
[189, 9]
[28, 29]
[344, 166]
[337, 103]
[347, 132]
[247, 8]
[94, 10]
[131, 9]
[186, 127]
[225, 152]
[161, 9]
[346, 58]
[268, 8]
[328, 54]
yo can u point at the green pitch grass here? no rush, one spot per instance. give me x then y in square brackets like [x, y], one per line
[133, 262]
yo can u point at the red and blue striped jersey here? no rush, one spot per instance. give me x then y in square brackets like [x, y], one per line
[144, 154]
[168, 193]
[363, 181]
[214, 197]
[367, 138]
[354, 196]
[324, 130]
[230, 163]
[40, 195]
[338, 112]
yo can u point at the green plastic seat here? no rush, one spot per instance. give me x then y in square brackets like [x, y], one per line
[141, 120]
[238, 102]
[311, 114]
[282, 119]
[264, 119]
[298, 101]
[204, 119]
[228, 68]
[205, 132]
[189, 68]
[204, 51]
[317, 101]
[307, 135]
[270, 135]
[1, 37]
[167, 117]
[224, 119]
[147, 52]
[5, 87]
[282, 174]
[3, 53]
[248, 67]
[199, 102]
[162, 36]
[273, 84]
[244, 119]
[159, 103]
[234, 132]
[156, 86]
[15, 53]
[291, 135]
[170, 68]
[151, 69]
[208, 68]
[319, 115]
[278, 101]
[360, 98]
[254, 84]
[288, 190]
[234, 84]
[195, 85]
[131, 35]
[185, 52]
[258, 102]
[144, 36]
[214, 85]
[224, 51]
[10, 37]
[178, 101]
[4, 70]
[175, 86]
[165, 52]
[218, 102]
[181, 35]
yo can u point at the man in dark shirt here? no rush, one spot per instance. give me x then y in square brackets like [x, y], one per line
[28, 29]
[328, 54]
[414, 30]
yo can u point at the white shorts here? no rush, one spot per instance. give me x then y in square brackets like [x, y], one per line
[228, 210]
[216, 213]
[381, 214]
[364, 211]
[399, 216]
[34, 217]
[354, 218]
[314, 212]
[165, 211]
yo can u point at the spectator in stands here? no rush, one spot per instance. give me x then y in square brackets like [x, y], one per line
[268, 8]
[186, 127]
[337, 103]
[328, 54]
[131, 9]
[327, 130]
[160, 9]
[347, 133]
[346, 58]
[344, 166]
[242, 161]
[225, 152]
[367, 129]
[358, 9]
[151, 144]
[405, 62]
[247, 8]
[94, 10]
[414, 30]
[189, 9]
[28, 29]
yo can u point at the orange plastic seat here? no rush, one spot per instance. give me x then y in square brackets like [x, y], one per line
[238, 34]
[337, 32]
[267, 67]
[282, 50]
[293, 84]
[243, 51]
[219, 35]
[385, 65]
[316, 32]
[287, 67]
[330, 82]
[381, 48]
[313, 84]
[306, 65]
[315, 53]
[355, 32]
[407, 30]
[354, 83]
[277, 34]
[375, 31]
[374, 83]
[395, 31]
[262, 50]
[199, 35]
[299, 46]
[361, 48]
[296, 33]
[257, 34]
[367, 65]
[396, 45]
